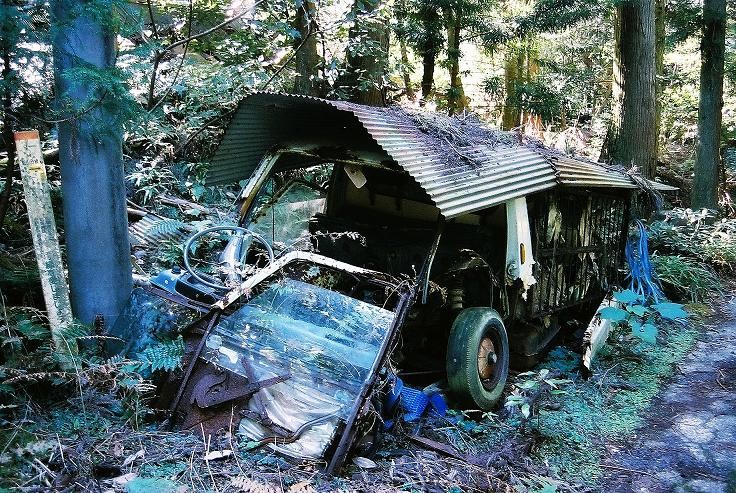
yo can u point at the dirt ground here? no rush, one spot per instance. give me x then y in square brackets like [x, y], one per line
[688, 443]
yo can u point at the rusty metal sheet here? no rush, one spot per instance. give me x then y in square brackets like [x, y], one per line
[486, 176]
[578, 173]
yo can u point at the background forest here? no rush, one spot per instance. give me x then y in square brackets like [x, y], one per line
[180, 68]
[628, 82]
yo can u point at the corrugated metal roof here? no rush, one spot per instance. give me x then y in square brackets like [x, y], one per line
[577, 173]
[485, 176]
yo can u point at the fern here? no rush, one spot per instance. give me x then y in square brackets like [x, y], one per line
[166, 227]
[165, 355]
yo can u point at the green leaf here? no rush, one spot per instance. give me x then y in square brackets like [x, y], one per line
[670, 311]
[526, 410]
[626, 296]
[614, 314]
[639, 310]
[527, 384]
[646, 332]
[554, 382]
[151, 485]
[547, 488]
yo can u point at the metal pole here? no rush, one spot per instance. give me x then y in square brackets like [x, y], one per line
[45, 239]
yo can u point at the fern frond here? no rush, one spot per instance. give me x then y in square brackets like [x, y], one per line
[165, 355]
[166, 227]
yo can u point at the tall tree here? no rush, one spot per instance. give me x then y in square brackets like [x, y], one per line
[712, 52]
[10, 28]
[402, 33]
[631, 138]
[660, 34]
[90, 155]
[307, 59]
[455, 13]
[430, 45]
[367, 53]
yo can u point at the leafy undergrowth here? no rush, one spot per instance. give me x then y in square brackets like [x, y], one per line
[608, 407]
[88, 442]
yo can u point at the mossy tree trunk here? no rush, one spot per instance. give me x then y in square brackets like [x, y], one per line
[8, 39]
[660, 36]
[367, 57]
[457, 102]
[90, 156]
[307, 59]
[712, 52]
[431, 46]
[631, 139]
[511, 114]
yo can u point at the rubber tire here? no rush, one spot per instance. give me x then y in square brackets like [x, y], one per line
[469, 328]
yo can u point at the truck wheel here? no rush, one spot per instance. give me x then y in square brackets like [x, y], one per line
[478, 356]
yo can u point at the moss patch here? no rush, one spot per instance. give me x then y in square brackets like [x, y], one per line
[609, 406]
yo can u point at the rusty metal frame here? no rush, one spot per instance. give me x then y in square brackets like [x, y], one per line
[407, 296]
[348, 433]
[247, 285]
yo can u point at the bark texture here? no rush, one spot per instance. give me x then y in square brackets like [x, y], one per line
[632, 139]
[511, 115]
[307, 59]
[660, 35]
[712, 52]
[367, 56]
[7, 134]
[90, 156]
[457, 102]
[430, 46]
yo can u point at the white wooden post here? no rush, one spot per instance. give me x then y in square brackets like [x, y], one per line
[45, 240]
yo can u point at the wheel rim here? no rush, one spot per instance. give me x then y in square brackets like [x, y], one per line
[487, 359]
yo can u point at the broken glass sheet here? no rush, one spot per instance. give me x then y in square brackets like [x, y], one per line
[285, 222]
[325, 341]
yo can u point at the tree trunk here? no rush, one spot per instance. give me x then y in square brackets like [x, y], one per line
[430, 46]
[511, 114]
[401, 31]
[712, 51]
[367, 56]
[90, 157]
[631, 139]
[456, 100]
[660, 35]
[7, 135]
[405, 71]
[306, 58]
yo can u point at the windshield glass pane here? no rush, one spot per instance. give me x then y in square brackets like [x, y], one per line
[285, 204]
[324, 341]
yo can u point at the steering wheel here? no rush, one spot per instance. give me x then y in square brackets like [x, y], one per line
[243, 232]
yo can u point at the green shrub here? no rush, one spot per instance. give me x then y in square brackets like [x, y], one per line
[687, 278]
[699, 235]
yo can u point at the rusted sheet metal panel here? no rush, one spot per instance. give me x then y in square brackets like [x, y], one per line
[577, 173]
[496, 174]
[478, 178]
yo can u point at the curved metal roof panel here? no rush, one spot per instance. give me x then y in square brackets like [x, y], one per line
[474, 178]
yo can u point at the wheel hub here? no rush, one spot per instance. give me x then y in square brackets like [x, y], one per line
[486, 358]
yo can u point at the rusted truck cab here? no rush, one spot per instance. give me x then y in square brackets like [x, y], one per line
[371, 240]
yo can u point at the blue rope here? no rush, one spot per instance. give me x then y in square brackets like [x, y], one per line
[644, 281]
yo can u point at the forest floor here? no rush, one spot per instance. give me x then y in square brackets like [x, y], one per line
[688, 441]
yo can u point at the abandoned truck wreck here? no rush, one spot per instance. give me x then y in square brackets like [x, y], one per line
[370, 240]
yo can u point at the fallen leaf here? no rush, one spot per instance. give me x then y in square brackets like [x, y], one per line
[301, 487]
[364, 463]
[218, 454]
[129, 460]
[124, 479]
